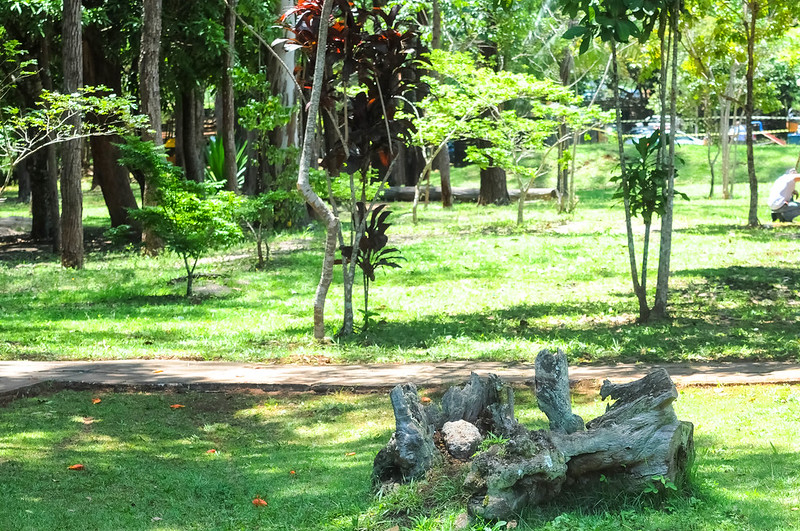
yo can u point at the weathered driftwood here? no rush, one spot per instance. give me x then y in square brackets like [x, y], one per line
[411, 451]
[462, 195]
[552, 392]
[638, 439]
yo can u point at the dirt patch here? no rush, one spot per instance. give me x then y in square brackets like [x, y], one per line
[13, 226]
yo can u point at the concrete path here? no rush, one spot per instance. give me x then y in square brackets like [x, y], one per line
[26, 377]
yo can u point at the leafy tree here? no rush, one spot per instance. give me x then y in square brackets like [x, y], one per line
[517, 113]
[24, 132]
[616, 21]
[644, 190]
[191, 218]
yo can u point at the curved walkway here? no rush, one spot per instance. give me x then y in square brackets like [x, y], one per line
[26, 377]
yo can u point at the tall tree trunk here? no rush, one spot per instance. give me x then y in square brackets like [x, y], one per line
[150, 97]
[189, 133]
[304, 184]
[228, 111]
[442, 161]
[71, 195]
[665, 249]
[46, 219]
[753, 7]
[112, 178]
[149, 60]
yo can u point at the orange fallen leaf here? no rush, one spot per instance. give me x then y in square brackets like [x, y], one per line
[177, 406]
[96, 400]
[76, 467]
[350, 453]
[425, 399]
[292, 473]
[158, 371]
[212, 451]
[258, 502]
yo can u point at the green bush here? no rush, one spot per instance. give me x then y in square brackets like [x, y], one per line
[191, 218]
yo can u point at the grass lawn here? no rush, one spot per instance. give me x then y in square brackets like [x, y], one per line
[475, 286]
[148, 466]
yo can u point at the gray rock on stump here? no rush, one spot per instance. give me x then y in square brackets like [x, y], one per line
[461, 438]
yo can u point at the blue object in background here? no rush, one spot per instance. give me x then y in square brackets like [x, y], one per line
[794, 138]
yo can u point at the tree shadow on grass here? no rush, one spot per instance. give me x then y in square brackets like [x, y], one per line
[588, 334]
[761, 234]
[755, 280]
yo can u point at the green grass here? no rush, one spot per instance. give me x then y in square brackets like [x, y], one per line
[474, 286]
[147, 466]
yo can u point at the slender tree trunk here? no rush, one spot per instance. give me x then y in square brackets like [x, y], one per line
[712, 161]
[71, 194]
[562, 183]
[252, 178]
[283, 84]
[665, 249]
[725, 147]
[304, 185]
[442, 162]
[228, 111]
[724, 128]
[753, 6]
[644, 310]
[150, 97]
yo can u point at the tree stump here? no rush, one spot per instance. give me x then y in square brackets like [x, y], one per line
[637, 442]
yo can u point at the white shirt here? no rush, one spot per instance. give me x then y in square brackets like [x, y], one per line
[781, 192]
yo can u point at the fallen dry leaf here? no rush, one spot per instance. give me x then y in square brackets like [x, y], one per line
[258, 502]
[394, 528]
[156, 519]
[511, 525]
[212, 451]
[76, 467]
[177, 406]
[424, 399]
[350, 453]
[96, 400]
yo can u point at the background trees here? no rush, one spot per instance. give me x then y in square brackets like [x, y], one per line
[217, 69]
